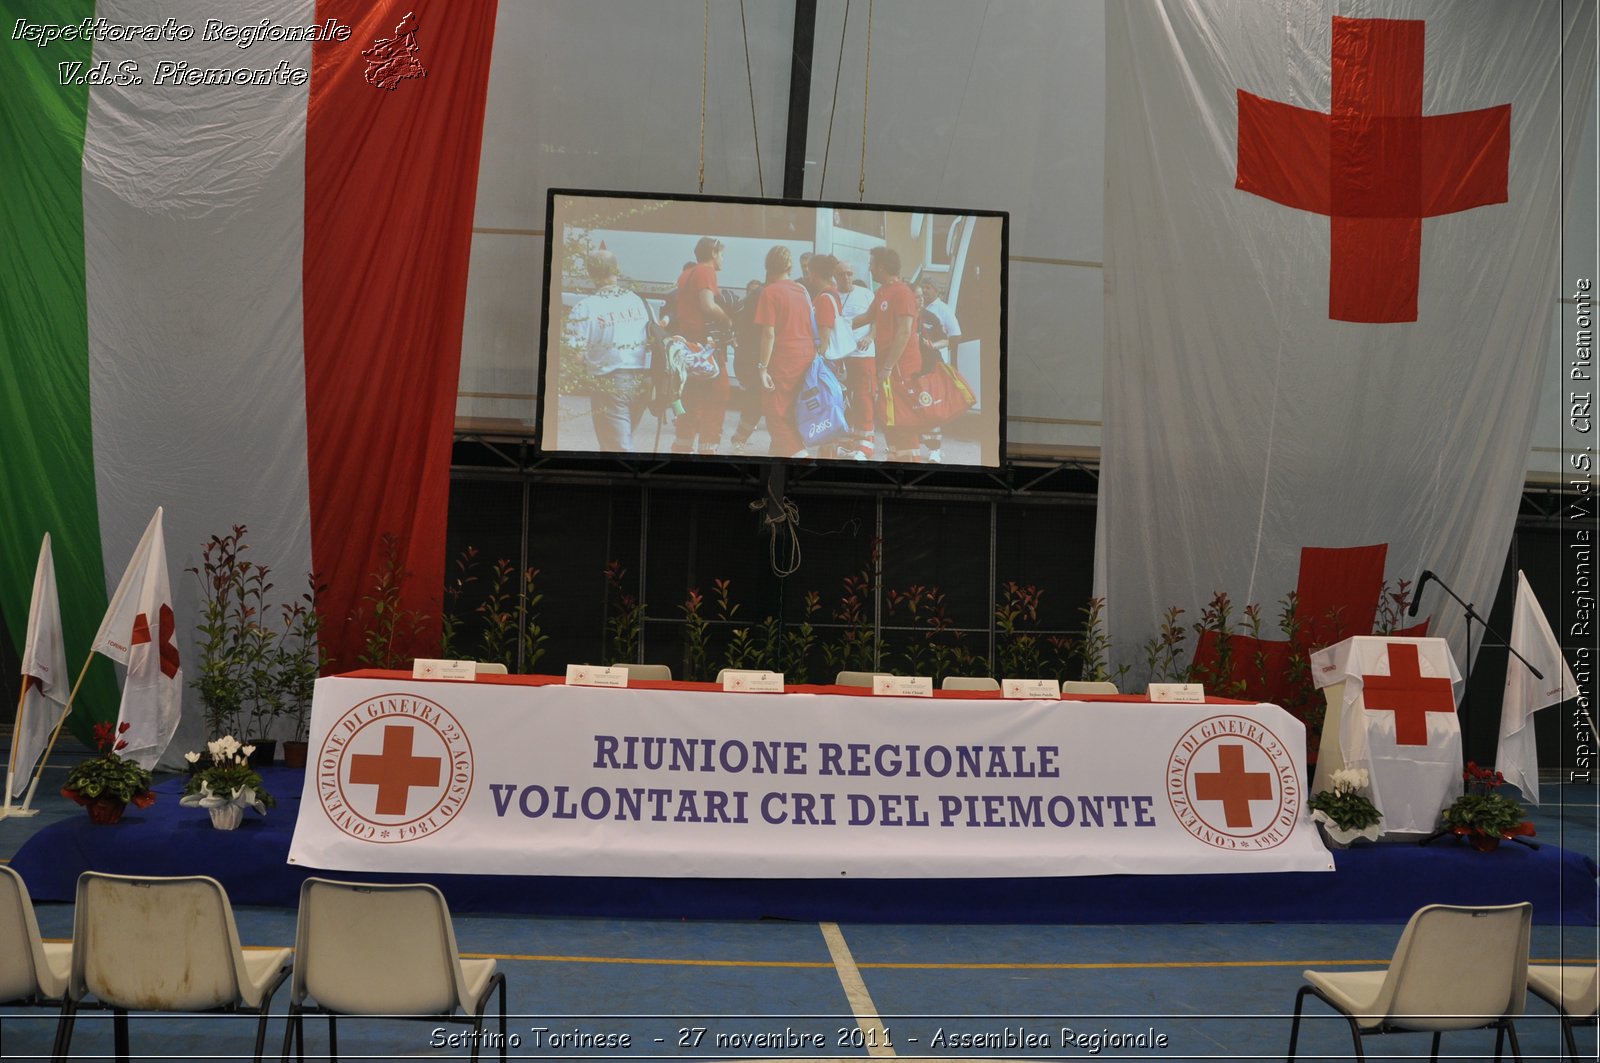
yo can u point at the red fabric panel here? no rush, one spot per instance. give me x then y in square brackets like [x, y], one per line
[1376, 269]
[1337, 592]
[1283, 153]
[1465, 159]
[391, 180]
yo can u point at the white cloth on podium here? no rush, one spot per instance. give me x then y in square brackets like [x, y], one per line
[1413, 756]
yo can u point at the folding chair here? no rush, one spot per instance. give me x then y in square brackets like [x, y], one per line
[1455, 968]
[1572, 991]
[33, 972]
[384, 950]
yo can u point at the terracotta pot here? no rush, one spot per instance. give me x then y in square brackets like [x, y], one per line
[1484, 843]
[226, 817]
[105, 809]
[294, 754]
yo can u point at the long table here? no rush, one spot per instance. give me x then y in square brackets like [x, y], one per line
[528, 776]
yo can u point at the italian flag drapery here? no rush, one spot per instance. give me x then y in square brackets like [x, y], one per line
[232, 277]
[1332, 249]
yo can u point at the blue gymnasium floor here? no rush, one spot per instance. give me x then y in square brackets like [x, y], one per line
[804, 990]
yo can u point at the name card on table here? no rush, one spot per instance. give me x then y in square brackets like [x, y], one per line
[588, 675]
[904, 686]
[1178, 693]
[1030, 688]
[426, 668]
[748, 682]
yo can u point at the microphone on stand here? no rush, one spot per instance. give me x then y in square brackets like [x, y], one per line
[1416, 598]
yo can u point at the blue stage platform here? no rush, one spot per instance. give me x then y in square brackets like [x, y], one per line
[1372, 884]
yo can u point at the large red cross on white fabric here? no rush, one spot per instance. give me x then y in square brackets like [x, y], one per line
[1374, 164]
[1407, 693]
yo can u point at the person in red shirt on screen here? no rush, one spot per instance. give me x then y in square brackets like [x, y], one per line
[893, 317]
[697, 317]
[788, 343]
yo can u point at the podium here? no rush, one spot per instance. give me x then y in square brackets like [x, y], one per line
[1392, 710]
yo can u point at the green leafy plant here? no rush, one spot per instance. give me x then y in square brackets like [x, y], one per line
[499, 611]
[108, 774]
[533, 636]
[624, 620]
[858, 644]
[227, 780]
[232, 591]
[300, 657]
[1019, 651]
[696, 637]
[389, 631]
[1163, 652]
[1483, 816]
[1346, 806]
[451, 620]
[1094, 649]
[794, 655]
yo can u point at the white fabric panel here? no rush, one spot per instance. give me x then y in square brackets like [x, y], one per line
[519, 779]
[1243, 424]
[193, 200]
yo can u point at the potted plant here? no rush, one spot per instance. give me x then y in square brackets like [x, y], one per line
[227, 786]
[1345, 813]
[107, 783]
[230, 600]
[300, 659]
[1482, 816]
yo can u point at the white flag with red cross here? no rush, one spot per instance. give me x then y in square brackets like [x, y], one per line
[138, 631]
[1332, 249]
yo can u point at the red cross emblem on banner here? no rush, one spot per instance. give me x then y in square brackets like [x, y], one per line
[1233, 786]
[1407, 693]
[395, 771]
[1374, 164]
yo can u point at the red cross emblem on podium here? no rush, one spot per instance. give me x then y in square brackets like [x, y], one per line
[1233, 786]
[1374, 164]
[395, 771]
[1407, 693]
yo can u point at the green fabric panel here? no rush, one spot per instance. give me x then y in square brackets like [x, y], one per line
[47, 469]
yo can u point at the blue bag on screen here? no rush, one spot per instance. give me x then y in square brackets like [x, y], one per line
[819, 406]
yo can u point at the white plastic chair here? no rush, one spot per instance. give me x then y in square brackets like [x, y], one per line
[1572, 991]
[969, 682]
[658, 672]
[163, 944]
[1455, 968]
[489, 668]
[384, 950]
[855, 679]
[32, 971]
[1088, 686]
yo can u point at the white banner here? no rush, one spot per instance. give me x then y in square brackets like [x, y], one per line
[522, 778]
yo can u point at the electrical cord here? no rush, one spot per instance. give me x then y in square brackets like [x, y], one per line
[784, 524]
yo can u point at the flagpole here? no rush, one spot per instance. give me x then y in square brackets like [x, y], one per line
[11, 761]
[66, 710]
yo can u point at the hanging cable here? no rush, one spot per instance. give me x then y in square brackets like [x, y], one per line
[705, 66]
[866, 99]
[833, 108]
[749, 78]
[783, 525]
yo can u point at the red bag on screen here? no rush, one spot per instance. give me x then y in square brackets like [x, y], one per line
[932, 398]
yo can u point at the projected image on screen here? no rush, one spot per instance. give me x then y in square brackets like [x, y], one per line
[751, 329]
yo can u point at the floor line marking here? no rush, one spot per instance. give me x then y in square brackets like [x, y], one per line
[874, 1036]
